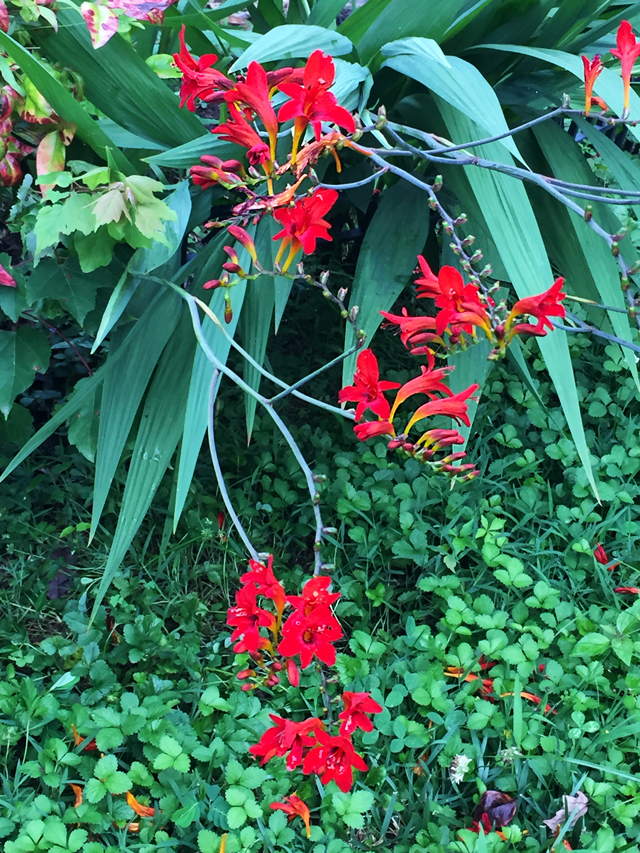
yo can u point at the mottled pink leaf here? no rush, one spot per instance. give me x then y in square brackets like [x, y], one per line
[50, 157]
[6, 279]
[101, 22]
[143, 10]
[4, 17]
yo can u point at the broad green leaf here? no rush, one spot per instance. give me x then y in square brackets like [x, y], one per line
[189, 154]
[356, 26]
[591, 645]
[64, 103]
[197, 408]
[455, 80]
[83, 426]
[157, 439]
[22, 353]
[406, 18]
[325, 12]
[608, 85]
[471, 366]
[510, 217]
[121, 84]
[125, 387]
[566, 159]
[75, 291]
[255, 324]
[389, 254]
[293, 41]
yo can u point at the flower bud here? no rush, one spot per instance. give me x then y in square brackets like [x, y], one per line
[245, 673]
[330, 530]
[469, 241]
[342, 294]
[615, 249]
[476, 257]
[436, 186]
[588, 213]
[395, 443]
[408, 446]
[244, 239]
[277, 666]
[247, 687]
[324, 277]
[448, 229]
[353, 313]
[319, 478]
[228, 310]
[486, 271]
[293, 673]
[461, 220]
[455, 249]
[211, 285]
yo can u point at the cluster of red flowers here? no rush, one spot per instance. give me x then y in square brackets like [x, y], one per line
[627, 50]
[486, 686]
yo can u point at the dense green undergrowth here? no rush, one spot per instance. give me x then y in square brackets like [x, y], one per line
[431, 578]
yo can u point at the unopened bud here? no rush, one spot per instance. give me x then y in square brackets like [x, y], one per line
[461, 220]
[342, 294]
[382, 118]
[319, 478]
[615, 249]
[326, 293]
[228, 310]
[447, 228]
[360, 335]
[344, 314]
[394, 444]
[276, 666]
[622, 233]
[455, 249]
[407, 446]
[469, 241]
[433, 204]
[245, 673]
[588, 213]
[624, 283]
[324, 277]
[436, 186]
[353, 313]
[486, 271]
[476, 257]
[247, 687]
[635, 268]
[330, 530]
[566, 101]
[466, 266]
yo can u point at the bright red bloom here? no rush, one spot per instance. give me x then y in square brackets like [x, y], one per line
[254, 94]
[627, 51]
[356, 707]
[311, 636]
[333, 759]
[303, 224]
[293, 673]
[367, 390]
[139, 809]
[601, 557]
[315, 593]
[312, 102]
[286, 737]
[542, 306]
[228, 173]
[238, 130]
[248, 618]
[537, 700]
[293, 806]
[436, 439]
[449, 293]
[199, 80]
[6, 278]
[591, 70]
[631, 590]
[427, 383]
[371, 429]
[78, 739]
[454, 407]
[414, 330]
[266, 582]
[244, 239]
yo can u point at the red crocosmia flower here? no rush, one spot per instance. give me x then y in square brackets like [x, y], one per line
[312, 102]
[286, 737]
[371, 429]
[627, 51]
[603, 106]
[333, 759]
[293, 806]
[199, 80]
[367, 390]
[303, 224]
[458, 672]
[429, 382]
[254, 94]
[139, 809]
[532, 698]
[284, 75]
[485, 824]
[436, 439]
[414, 330]
[293, 673]
[453, 407]
[311, 636]
[228, 173]
[601, 557]
[356, 708]
[315, 593]
[592, 69]
[247, 618]
[221, 518]
[266, 582]
[244, 239]
[6, 278]
[449, 293]
[631, 590]
[238, 130]
[542, 306]
[78, 739]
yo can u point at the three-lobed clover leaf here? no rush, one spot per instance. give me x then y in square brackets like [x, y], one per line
[107, 778]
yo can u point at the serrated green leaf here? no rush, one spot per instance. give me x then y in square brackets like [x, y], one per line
[22, 353]
[591, 645]
[118, 783]
[208, 841]
[75, 291]
[94, 791]
[236, 817]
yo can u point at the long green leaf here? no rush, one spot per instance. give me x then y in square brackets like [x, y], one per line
[471, 366]
[158, 436]
[395, 237]
[184, 156]
[120, 83]
[508, 213]
[456, 81]
[325, 12]
[65, 104]
[293, 41]
[124, 389]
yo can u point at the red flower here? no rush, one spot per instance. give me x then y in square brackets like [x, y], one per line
[199, 80]
[293, 673]
[591, 70]
[356, 707]
[627, 51]
[436, 439]
[427, 383]
[245, 240]
[370, 429]
[451, 294]
[601, 556]
[367, 390]
[139, 809]
[315, 593]
[266, 582]
[414, 330]
[303, 224]
[293, 806]
[333, 759]
[248, 618]
[254, 94]
[532, 698]
[78, 739]
[227, 173]
[542, 306]
[311, 636]
[494, 809]
[286, 737]
[238, 130]
[453, 407]
[312, 102]
[6, 278]
[631, 590]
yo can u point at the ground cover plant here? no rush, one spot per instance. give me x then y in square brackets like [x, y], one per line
[453, 666]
